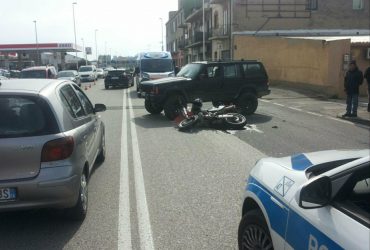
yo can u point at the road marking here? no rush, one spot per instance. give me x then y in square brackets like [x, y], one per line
[124, 222]
[278, 104]
[145, 231]
[296, 109]
[312, 113]
[263, 100]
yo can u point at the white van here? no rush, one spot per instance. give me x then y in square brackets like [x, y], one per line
[152, 66]
[88, 73]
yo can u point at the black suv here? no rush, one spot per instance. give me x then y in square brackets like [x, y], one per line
[237, 82]
[118, 78]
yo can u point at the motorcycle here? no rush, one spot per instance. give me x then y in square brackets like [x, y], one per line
[222, 114]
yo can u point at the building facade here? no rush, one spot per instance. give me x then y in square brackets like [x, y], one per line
[226, 18]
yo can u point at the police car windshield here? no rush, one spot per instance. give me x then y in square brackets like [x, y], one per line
[156, 65]
[190, 70]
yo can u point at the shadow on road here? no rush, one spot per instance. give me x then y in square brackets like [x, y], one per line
[258, 119]
[153, 121]
[36, 229]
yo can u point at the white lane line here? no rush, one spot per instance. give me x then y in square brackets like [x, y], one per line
[278, 104]
[312, 113]
[339, 120]
[296, 109]
[263, 100]
[145, 231]
[124, 222]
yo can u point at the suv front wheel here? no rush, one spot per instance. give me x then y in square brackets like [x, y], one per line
[173, 105]
[247, 103]
[152, 108]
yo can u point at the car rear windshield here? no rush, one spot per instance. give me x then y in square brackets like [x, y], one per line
[22, 116]
[33, 74]
[116, 72]
[156, 65]
[85, 69]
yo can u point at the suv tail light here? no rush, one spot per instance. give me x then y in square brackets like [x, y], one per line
[58, 149]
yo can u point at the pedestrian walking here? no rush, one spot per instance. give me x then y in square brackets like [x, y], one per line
[367, 77]
[352, 82]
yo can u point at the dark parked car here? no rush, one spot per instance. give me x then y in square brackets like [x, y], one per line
[117, 78]
[237, 82]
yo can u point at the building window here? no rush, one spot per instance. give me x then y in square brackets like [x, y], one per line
[215, 18]
[358, 4]
[312, 5]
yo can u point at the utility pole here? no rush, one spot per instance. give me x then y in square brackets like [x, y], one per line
[204, 35]
[37, 44]
[162, 32]
[96, 48]
[105, 53]
[74, 28]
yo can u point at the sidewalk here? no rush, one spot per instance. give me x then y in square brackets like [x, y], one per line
[316, 102]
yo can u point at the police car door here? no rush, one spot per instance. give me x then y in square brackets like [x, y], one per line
[343, 223]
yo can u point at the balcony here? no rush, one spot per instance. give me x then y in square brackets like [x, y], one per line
[197, 14]
[220, 33]
[197, 39]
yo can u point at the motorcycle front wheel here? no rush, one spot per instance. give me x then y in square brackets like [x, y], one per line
[187, 123]
[235, 121]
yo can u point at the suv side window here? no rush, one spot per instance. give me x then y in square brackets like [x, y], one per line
[231, 71]
[213, 71]
[85, 101]
[251, 69]
[71, 101]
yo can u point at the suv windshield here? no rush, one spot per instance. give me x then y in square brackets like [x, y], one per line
[190, 70]
[24, 116]
[66, 74]
[156, 65]
[33, 74]
[85, 69]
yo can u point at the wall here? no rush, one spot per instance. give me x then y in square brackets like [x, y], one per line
[315, 64]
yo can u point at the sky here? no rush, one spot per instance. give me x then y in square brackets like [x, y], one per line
[125, 27]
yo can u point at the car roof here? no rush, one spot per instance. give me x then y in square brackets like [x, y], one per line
[37, 68]
[27, 85]
[224, 62]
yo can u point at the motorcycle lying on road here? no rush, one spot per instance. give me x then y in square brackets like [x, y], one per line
[226, 115]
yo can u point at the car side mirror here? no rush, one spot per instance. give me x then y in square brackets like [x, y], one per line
[100, 107]
[316, 193]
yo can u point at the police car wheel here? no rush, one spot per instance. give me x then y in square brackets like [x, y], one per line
[253, 232]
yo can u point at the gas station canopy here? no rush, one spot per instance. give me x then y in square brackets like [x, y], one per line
[41, 47]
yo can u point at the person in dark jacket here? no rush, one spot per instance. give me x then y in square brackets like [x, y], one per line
[352, 82]
[367, 77]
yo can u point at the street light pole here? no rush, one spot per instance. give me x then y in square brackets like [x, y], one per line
[84, 52]
[204, 36]
[37, 44]
[74, 29]
[162, 32]
[105, 53]
[96, 48]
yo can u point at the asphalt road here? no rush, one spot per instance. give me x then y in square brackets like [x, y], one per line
[163, 189]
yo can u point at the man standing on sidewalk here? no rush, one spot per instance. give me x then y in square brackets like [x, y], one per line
[352, 82]
[367, 77]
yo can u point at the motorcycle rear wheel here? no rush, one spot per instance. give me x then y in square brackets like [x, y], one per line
[187, 123]
[237, 121]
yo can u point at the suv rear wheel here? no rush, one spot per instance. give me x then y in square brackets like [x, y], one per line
[247, 103]
[173, 105]
[152, 108]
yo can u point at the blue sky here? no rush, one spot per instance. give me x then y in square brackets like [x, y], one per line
[124, 27]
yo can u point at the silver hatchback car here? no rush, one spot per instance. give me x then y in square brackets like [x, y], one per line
[50, 138]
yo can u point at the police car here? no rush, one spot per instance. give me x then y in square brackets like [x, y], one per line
[308, 201]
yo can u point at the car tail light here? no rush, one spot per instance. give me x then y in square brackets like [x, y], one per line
[58, 149]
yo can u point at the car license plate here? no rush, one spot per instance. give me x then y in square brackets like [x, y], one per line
[8, 194]
[114, 77]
